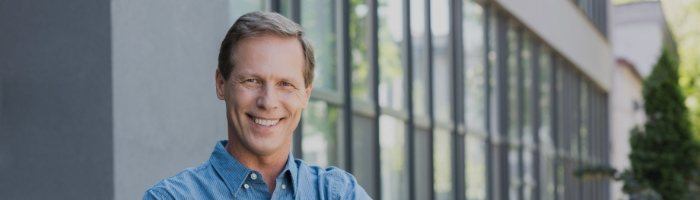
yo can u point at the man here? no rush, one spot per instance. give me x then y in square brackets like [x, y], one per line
[264, 76]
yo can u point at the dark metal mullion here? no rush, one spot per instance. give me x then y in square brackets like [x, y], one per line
[502, 100]
[536, 115]
[408, 67]
[296, 10]
[487, 88]
[275, 5]
[431, 112]
[521, 109]
[297, 148]
[457, 100]
[579, 121]
[374, 69]
[347, 82]
[554, 116]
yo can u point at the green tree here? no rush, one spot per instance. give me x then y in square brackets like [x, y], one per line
[663, 153]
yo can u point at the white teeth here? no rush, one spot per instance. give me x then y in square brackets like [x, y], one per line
[266, 122]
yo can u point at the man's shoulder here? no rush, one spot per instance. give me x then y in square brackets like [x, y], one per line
[334, 180]
[184, 182]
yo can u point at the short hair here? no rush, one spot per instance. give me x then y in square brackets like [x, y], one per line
[264, 23]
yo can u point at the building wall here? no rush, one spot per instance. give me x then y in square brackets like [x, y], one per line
[627, 112]
[55, 102]
[166, 114]
[639, 33]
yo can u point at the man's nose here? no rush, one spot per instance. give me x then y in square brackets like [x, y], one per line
[268, 99]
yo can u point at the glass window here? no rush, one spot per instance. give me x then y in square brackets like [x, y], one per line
[513, 86]
[476, 178]
[513, 173]
[390, 37]
[475, 100]
[442, 70]
[442, 155]
[548, 175]
[527, 93]
[513, 97]
[528, 179]
[526, 96]
[547, 171]
[318, 19]
[319, 133]
[359, 49]
[492, 73]
[574, 106]
[419, 51]
[545, 99]
[474, 73]
[583, 125]
[393, 158]
[562, 103]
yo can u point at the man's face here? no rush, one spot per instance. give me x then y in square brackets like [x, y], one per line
[265, 93]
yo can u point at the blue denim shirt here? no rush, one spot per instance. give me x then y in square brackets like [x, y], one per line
[223, 177]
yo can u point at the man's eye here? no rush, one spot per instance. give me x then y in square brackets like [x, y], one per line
[251, 81]
[286, 84]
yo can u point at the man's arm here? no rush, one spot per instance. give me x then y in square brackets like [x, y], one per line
[156, 194]
[345, 186]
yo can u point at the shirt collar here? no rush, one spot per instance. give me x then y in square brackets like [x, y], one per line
[235, 173]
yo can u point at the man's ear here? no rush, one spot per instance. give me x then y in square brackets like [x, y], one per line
[220, 83]
[307, 94]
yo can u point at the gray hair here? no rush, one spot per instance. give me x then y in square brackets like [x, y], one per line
[264, 23]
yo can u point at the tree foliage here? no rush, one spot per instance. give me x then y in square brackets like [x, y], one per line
[664, 153]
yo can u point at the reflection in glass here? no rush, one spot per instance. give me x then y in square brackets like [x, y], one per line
[475, 167]
[475, 100]
[474, 73]
[583, 120]
[513, 72]
[526, 69]
[319, 133]
[442, 71]
[359, 49]
[442, 155]
[393, 158]
[528, 170]
[527, 122]
[545, 133]
[513, 173]
[390, 38]
[548, 175]
[419, 51]
[574, 106]
[318, 19]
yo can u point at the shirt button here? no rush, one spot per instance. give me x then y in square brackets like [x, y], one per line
[246, 186]
[284, 186]
[253, 176]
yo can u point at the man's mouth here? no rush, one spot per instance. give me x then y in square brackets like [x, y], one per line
[264, 121]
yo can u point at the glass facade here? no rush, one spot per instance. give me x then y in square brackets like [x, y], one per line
[438, 99]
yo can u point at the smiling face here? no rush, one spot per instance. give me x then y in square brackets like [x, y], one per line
[264, 94]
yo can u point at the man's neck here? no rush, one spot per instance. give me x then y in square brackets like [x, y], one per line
[269, 166]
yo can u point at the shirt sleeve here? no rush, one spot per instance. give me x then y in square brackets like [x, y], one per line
[343, 185]
[156, 194]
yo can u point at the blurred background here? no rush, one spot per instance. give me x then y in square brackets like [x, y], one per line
[419, 99]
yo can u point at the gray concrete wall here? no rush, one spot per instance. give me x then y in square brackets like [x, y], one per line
[166, 114]
[55, 101]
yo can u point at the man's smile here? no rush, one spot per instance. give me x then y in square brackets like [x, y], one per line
[264, 121]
